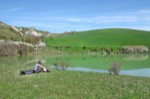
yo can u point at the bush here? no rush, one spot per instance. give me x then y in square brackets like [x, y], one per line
[115, 68]
[23, 49]
[10, 49]
[141, 49]
[61, 65]
[7, 49]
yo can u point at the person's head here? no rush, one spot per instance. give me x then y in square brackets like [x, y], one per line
[39, 62]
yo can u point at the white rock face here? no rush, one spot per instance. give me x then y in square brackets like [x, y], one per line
[41, 44]
[17, 43]
[33, 32]
[30, 31]
[16, 30]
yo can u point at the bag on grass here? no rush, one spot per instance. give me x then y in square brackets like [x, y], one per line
[26, 72]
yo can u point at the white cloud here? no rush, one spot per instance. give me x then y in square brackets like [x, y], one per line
[106, 19]
[13, 10]
[142, 28]
[147, 11]
[136, 16]
[137, 20]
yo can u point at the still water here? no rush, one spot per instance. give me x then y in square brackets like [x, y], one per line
[134, 65]
[136, 72]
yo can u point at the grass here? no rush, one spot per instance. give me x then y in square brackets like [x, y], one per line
[109, 38]
[67, 84]
[8, 33]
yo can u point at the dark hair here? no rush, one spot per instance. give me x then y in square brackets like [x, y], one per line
[39, 62]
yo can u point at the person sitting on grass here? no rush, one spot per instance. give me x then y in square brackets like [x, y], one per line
[39, 68]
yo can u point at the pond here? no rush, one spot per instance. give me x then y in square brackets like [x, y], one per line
[135, 65]
[137, 72]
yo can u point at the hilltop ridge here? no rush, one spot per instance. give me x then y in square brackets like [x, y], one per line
[113, 37]
[13, 33]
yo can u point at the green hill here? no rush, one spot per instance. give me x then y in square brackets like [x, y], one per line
[116, 37]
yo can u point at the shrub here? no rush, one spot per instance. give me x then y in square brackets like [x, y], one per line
[7, 49]
[115, 68]
[134, 49]
[23, 49]
[61, 65]
[12, 49]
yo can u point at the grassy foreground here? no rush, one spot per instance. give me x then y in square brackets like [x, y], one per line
[67, 84]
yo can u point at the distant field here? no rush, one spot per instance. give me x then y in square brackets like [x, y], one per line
[102, 38]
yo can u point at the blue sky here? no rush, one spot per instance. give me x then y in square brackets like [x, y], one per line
[76, 15]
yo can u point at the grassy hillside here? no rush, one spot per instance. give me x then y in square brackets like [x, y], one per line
[8, 33]
[102, 38]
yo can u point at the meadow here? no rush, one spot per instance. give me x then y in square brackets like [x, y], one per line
[75, 50]
[61, 84]
[108, 38]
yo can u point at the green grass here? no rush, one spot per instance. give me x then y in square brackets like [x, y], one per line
[78, 85]
[8, 33]
[67, 84]
[109, 38]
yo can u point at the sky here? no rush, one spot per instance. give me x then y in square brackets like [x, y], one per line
[58, 16]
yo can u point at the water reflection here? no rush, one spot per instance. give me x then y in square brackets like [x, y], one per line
[136, 57]
[137, 72]
[134, 64]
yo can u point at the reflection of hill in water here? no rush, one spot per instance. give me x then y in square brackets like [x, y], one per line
[136, 72]
[136, 57]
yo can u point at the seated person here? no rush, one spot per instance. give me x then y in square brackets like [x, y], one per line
[39, 68]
